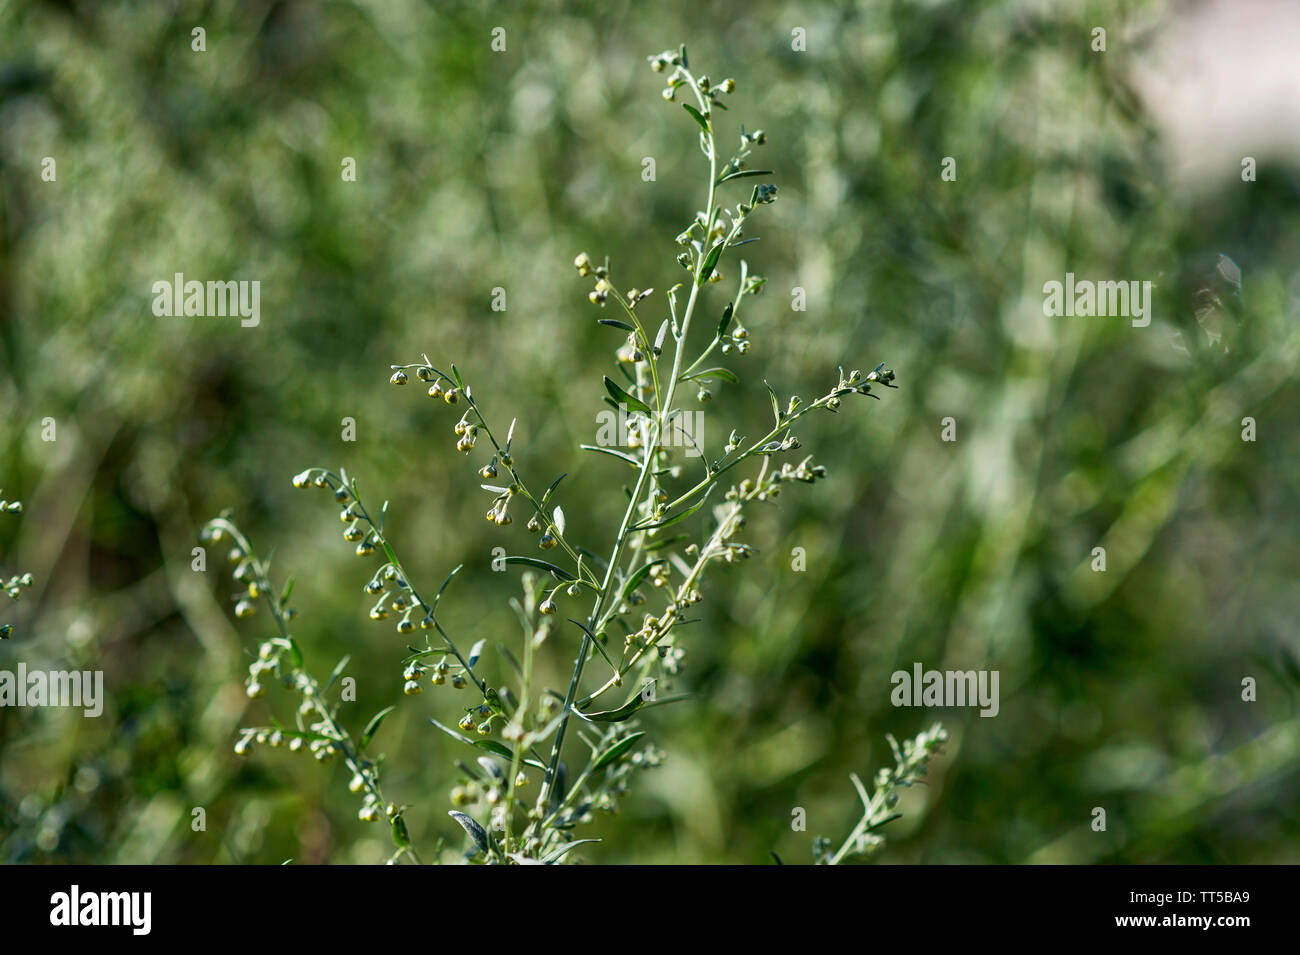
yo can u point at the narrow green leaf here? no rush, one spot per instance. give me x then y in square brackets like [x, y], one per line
[595, 642]
[475, 831]
[628, 709]
[451, 732]
[743, 173]
[722, 374]
[373, 726]
[614, 752]
[558, 853]
[726, 318]
[622, 456]
[337, 672]
[438, 595]
[492, 746]
[295, 652]
[619, 714]
[637, 576]
[288, 589]
[680, 516]
[881, 822]
[614, 322]
[551, 488]
[776, 405]
[666, 542]
[540, 565]
[622, 397]
[697, 116]
[710, 261]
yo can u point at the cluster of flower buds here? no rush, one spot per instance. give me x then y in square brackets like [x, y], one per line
[498, 513]
[630, 353]
[708, 89]
[466, 435]
[366, 779]
[478, 719]
[448, 392]
[274, 738]
[323, 749]
[661, 61]
[395, 596]
[490, 788]
[370, 809]
[854, 381]
[800, 472]
[439, 674]
[535, 524]
[635, 296]
[737, 340]
[600, 294]
[652, 630]
[270, 661]
[13, 586]
[248, 575]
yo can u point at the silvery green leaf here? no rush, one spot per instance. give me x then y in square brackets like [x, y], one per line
[336, 672]
[476, 651]
[698, 117]
[476, 832]
[559, 520]
[555, 855]
[373, 727]
[621, 397]
[612, 754]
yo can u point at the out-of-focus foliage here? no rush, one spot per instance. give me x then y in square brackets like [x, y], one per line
[480, 169]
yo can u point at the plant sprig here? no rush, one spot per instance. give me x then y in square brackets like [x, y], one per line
[640, 586]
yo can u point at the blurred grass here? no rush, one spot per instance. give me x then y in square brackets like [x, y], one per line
[480, 170]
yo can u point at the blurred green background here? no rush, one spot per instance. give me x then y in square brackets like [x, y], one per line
[480, 169]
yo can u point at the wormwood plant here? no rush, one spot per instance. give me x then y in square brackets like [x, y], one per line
[15, 584]
[625, 601]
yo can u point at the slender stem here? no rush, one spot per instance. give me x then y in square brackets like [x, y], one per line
[647, 465]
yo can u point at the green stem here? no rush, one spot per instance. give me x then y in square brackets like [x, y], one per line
[646, 467]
